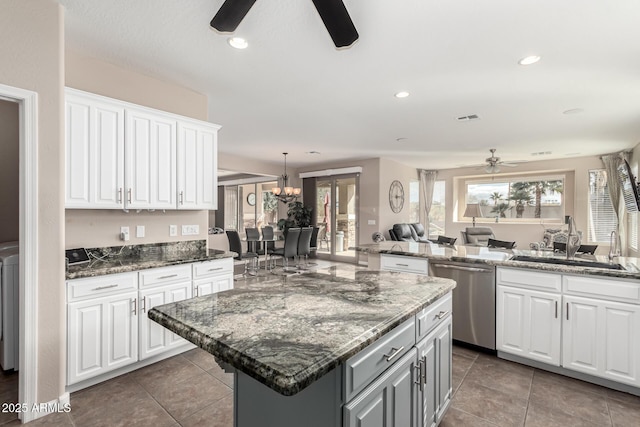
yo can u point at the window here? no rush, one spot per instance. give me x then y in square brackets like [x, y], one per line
[518, 199]
[414, 201]
[438, 213]
[250, 205]
[231, 208]
[602, 216]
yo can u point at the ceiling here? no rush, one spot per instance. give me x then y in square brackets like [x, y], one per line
[292, 90]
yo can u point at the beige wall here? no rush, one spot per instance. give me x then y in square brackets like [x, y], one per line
[32, 34]
[94, 228]
[9, 161]
[390, 171]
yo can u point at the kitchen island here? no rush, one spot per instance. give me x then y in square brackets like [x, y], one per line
[330, 348]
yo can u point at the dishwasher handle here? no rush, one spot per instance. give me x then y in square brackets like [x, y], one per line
[458, 267]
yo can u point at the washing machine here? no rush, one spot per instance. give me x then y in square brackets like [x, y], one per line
[9, 304]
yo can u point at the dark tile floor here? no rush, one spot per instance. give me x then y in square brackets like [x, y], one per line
[192, 390]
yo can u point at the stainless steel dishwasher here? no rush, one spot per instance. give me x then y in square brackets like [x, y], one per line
[474, 300]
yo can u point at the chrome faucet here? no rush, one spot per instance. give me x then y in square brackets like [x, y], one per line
[613, 246]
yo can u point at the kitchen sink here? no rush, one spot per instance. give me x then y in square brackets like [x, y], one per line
[570, 262]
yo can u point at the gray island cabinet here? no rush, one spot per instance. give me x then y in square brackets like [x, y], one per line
[342, 347]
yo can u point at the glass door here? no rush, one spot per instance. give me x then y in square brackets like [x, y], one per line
[337, 216]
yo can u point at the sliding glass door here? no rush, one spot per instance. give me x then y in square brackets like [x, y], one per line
[337, 216]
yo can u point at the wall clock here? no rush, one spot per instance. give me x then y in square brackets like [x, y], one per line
[396, 196]
[251, 199]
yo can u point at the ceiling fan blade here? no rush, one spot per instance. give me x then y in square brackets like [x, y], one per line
[230, 14]
[338, 22]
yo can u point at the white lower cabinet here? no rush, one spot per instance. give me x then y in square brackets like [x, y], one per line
[154, 338]
[102, 326]
[528, 323]
[588, 324]
[107, 323]
[212, 276]
[414, 391]
[602, 338]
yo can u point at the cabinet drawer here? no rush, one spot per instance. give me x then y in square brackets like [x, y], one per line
[611, 289]
[365, 366]
[80, 289]
[213, 268]
[404, 264]
[529, 279]
[165, 275]
[433, 315]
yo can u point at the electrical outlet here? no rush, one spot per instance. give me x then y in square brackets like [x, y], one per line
[190, 230]
[140, 231]
[173, 230]
[124, 233]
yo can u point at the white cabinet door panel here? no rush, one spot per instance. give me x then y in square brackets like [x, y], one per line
[580, 342]
[77, 137]
[510, 320]
[150, 161]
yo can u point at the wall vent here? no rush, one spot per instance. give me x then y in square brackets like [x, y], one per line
[541, 153]
[468, 118]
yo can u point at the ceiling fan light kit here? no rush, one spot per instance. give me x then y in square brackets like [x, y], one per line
[333, 13]
[494, 163]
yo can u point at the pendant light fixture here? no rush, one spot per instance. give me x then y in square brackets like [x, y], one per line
[286, 194]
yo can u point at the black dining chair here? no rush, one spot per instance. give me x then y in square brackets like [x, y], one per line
[304, 246]
[268, 245]
[313, 245]
[444, 240]
[582, 249]
[235, 245]
[253, 235]
[290, 249]
[502, 244]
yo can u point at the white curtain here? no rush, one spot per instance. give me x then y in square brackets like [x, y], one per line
[611, 163]
[427, 182]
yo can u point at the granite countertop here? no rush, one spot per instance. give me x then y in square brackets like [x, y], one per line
[503, 257]
[112, 260]
[287, 332]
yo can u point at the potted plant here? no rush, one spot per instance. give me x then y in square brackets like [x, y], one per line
[298, 215]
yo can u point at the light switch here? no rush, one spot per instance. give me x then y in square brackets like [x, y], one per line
[371, 222]
[190, 230]
[173, 230]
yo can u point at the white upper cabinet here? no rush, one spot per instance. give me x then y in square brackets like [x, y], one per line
[150, 171]
[197, 164]
[94, 142]
[123, 156]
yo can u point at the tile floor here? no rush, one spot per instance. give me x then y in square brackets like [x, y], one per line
[192, 390]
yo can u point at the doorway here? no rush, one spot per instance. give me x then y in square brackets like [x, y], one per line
[337, 207]
[27, 102]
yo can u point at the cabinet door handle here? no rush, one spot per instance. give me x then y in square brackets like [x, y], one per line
[418, 379]
[442, 314]
[120, 195]
[182, 197]
[129, 195]
[167, 277]
[402, 265]
[99, 288]
[195, 291]
[144, 305]
[423, 360]
[216, 269]
[396, 351]
[556, 309]
[567, 311]
[135, 306]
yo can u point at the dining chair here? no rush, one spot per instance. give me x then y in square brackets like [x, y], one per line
[253, 235]
[235, 245]
[304, 245]
[290, 249]
[313, 245]
[444, 240]
[493, 243]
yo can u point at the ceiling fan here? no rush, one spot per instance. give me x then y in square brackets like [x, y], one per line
[332, 12]
[493, 163]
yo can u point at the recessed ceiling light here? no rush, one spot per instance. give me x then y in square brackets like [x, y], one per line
[573, 111]
[528, 60]
[402, 94]
[238, 42]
